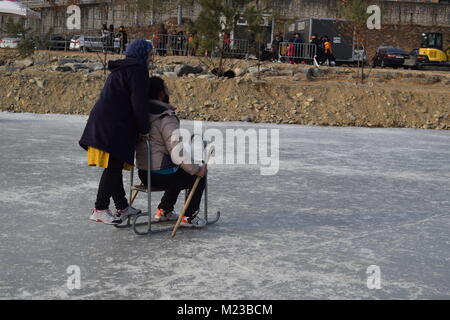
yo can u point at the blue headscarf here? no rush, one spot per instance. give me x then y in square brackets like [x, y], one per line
[139, 49]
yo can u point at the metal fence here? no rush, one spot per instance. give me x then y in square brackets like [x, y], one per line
[82, 43]
[188, 45]
[164, 45]
[236, 47]
[171, 44]
[181, 45]
[294, 52]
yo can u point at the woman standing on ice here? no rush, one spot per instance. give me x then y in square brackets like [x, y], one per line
[113, 127]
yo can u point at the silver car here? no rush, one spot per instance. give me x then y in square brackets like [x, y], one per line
[10, 41]
[90, 43]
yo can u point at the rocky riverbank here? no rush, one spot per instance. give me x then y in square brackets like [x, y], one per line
[280, 93]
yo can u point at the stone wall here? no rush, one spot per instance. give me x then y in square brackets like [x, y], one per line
[393, 12]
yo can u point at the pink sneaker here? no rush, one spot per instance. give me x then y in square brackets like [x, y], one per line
[127, 212]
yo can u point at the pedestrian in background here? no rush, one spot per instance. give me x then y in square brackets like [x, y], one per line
[276, 48]
[123, 37]
[104, 33]
[173, 42]
[328, 50]
[111, 37]
[318, 47]
[163, 39]
[297, 48]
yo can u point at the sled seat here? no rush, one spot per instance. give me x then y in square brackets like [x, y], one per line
[142, 188]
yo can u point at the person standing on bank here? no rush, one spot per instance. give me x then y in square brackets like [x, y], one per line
[104, 32]
[113, 128]
[123, 37]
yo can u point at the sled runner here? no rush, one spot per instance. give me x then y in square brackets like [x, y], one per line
[142, 222]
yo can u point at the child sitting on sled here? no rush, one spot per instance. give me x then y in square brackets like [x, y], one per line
[168, 172]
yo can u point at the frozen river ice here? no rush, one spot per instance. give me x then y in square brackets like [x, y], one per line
[344, 199]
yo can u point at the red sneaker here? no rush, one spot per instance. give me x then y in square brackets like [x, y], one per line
[161, 215]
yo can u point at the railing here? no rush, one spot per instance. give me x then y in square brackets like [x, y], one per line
[236, 47]
[54, 45]
[83, 44]
[185, 45]
[175, 45]
[294, 52]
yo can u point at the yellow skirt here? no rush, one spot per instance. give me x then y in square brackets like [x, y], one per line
[100, 159]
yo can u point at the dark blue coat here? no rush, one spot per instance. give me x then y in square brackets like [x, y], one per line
[121, 112]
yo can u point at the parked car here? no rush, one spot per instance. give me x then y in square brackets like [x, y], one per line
[57, 42]
[11, 41]
[415, 60]
[359, 55]
[90, 43]
[389, 57]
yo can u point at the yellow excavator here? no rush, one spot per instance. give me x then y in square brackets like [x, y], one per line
[433, 48]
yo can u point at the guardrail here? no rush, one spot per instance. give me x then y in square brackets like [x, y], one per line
[236, 47]
[294, 52]
[54, 45]
[186, 45]
[175, 45]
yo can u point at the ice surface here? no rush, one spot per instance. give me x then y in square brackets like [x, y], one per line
[343, 199]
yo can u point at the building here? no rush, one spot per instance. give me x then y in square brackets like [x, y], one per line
[96, 12]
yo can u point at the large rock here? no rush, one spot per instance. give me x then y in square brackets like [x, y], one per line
[94, 66]
[316, 72]
[61, 68]
[11, 68]
[239, 72]
[168, 69]
[185, 69]
[433, 79]
[286, 73]
[25, 63]
[80, 66]
[41, 62]
[170, 74]
[68, 60]
[310, 74]
[41, 83]
[248, 118]
[207, 76]
[255, 69]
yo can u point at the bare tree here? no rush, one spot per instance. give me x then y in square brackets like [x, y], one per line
[354, 12]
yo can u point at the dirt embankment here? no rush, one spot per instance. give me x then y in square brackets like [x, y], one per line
[283, 94]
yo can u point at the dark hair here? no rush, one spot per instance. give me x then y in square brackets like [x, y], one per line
[156, 87]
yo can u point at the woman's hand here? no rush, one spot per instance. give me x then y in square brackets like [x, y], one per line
[202, 172]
